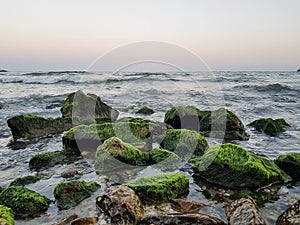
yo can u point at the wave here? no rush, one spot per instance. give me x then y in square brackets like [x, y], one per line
[276, 87]
[54, 73]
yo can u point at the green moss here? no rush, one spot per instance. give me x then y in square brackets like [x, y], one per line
[232, 166]
[6, 215]
[23, 201]
[195, 160]
[145, 110]
[160, 187]
[164, 159]
[69, 194]
[22, 181]
[270, 126]
[46, 160]
[290, 163]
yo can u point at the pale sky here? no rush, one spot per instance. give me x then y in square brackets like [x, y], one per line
[226, 34]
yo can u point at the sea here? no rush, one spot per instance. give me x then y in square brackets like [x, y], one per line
[250, 95]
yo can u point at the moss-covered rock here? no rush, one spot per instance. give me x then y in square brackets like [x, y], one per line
[23, 201]
[30, 126]
[220, 123]
[145, 110]
[87, 109]
[22, 181]
[232, 166]
[46, 160]
[158, 155]
[69, 194]
[269, 125]
[6, 216]
[290, 163]
[160, 187]
[184, 141]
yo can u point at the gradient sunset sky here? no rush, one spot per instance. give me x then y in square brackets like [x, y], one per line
[226, 34]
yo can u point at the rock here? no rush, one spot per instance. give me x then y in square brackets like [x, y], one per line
[30, 126]
[67, 220]
[69, 194]
[46, 160]
[6, 216]
[85, 221]
[183, 141]
[290, 163]
[182, 219]
[160, 187]
[3, 71]
[298, 70]
[22, 181]
[121, 205]
[243, 211]
[145, 110]
[232, 166]
[87, 109]
[54, 105]
[269, 126]
[23, 201]
[69, 173]
[186, 206]
[220, 123]
[291, 216]
[164, 159]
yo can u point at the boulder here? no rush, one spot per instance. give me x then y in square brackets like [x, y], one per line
[3, 71]
[69, 194]
[6, 216]
[164, 160]
[22, 181]
[220, 123]
[243, 211]
[291, 216]
[232, 166]
[186, 206]
[121, 205]
[87, 109]
[46, 160]
[145, 110]
[269, 125]
[23, 201]
[30, 126]
[159, 188]
[290, 163]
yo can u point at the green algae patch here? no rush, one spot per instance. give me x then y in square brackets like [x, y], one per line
[46, 160]
[6, 215]
[164, 160]
[269, 125]
[145, 110]
[232, 166]
[290, 163]
[23, 201]
[22, 181]
[69, 194]
[160, 187]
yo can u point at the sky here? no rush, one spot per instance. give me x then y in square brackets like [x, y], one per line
[39, 35]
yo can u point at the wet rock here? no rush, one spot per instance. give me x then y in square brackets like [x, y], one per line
[243, 211]
[3, 71]
[159, 188]
[23, 201]
[87, 109]
[22, 181]
[298, 70]
[290, 216]
[269, 126]
[54, 105]
[67, 220]
[220, 123]
[290, 163]
[30, 126]
[164, 159]
[6, 216]
[145, 110]
[46, 160]
[232, 166]
[69, 194]
[182, 219]
[85, 221]
[69, 173]
[121, 205]
[186, 206]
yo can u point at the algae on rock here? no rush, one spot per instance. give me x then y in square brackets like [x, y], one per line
[290, 163]
[269, 125]
[6, 215]
[22, 181]
[47, 159]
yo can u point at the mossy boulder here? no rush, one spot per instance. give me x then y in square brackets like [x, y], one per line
[69, 194]
[23, 201]
[87, 109]
[232, 166]
[6, 216]
[220, 123]
[30, 126]
[22, 181]
[183, 141]
[290, 163]
[145, 110]
[46, 160]
[160, 187]
[158, 155]
[269, 125]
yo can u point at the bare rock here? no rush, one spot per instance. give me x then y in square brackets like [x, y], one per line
[85, 221]
[186, 206]
[290, 216]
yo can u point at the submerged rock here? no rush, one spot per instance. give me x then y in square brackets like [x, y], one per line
[186, 206]
[160, 187]
[269, 126]
[69, 194]
[290, 163]
[232, 166]
[145, 110]
[121, 205]
[6, 216]
[30, 126]
[22, 181]
[46, 160]
[291, 216]
[23, 201]
[220, 123]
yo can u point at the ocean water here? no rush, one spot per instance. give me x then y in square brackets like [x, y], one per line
[251, 95]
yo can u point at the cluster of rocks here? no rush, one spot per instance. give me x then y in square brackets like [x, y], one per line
[93, 131]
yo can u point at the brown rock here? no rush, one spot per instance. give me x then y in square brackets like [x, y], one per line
[85, 221]
[186, 206]
[290, 216]
[67, 220]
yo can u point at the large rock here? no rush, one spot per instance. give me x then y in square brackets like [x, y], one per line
[145, 110]
[121, 205]
[291, 216]
[22, 181]
[243, 211]
[160, 187]
[30, 126]
[46, 160]
[220, 123]
[6, 216]
[23, 201]
[290, 163]
[87, 109]
[269, 125]
[69, 194]
[232, 166]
